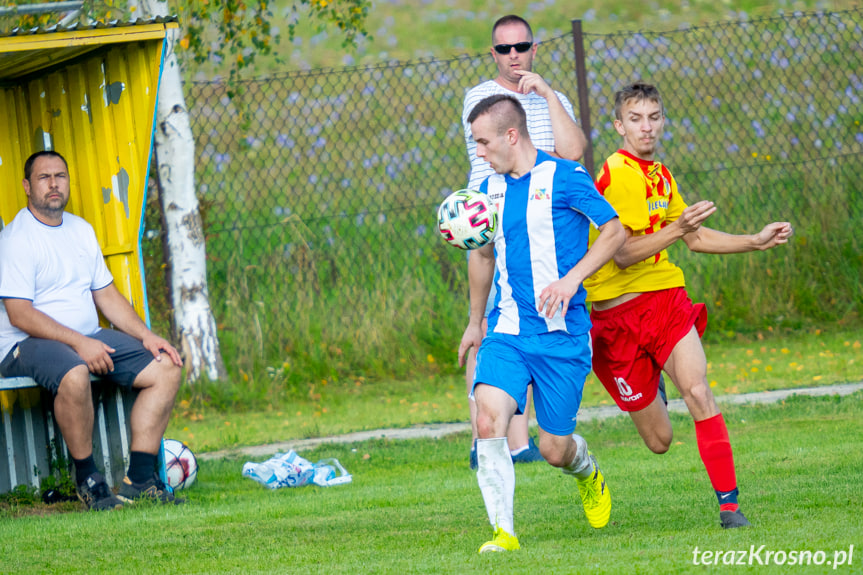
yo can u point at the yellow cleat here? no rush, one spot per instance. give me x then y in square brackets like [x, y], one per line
[595, 497]
[502, 541]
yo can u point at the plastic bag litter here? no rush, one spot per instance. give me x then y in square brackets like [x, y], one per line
[291, 470]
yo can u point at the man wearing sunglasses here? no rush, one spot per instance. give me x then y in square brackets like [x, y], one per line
[552, 128]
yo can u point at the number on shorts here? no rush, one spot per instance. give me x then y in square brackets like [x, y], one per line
[623, 387]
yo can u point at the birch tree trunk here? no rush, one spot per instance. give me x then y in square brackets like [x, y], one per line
[194, 325]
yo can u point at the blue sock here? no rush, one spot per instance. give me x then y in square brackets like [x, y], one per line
[728, 500]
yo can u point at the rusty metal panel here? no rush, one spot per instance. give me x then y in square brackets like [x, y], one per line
[25, 52]
[30, 441]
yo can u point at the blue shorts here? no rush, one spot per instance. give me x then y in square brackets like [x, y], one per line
[556, 363]
[47, 361]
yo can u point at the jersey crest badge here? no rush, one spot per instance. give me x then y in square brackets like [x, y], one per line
[540, 194]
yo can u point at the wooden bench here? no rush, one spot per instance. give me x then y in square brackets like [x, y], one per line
[31, 440]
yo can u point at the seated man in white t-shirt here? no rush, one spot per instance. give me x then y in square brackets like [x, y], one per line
[52, 280]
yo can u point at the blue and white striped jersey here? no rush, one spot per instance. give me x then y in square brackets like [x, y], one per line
[544, 219]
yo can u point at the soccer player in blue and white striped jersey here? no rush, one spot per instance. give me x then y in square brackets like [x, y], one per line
[552, 128]
[538, 329]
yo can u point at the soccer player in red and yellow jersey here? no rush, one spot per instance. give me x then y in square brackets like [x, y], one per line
[643, 320]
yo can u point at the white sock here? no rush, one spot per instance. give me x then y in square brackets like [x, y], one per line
[515, 452]
[581, 466]
[496, 477]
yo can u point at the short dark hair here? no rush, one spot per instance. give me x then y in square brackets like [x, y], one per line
[511, 19]
[28, 165]
[638, 91]
[508, 113]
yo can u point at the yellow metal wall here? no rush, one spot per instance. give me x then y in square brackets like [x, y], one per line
[98, 112]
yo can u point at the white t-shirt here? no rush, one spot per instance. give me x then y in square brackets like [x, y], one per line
[55, 267]
[538, 124]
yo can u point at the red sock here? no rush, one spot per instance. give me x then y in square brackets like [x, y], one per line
[715, 449]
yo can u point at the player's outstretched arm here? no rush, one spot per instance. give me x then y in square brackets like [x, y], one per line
[480, 273]
[710, 241]
[641, 247]
[556, 295]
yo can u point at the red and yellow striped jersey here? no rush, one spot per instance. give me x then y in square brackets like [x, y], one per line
[646, 199]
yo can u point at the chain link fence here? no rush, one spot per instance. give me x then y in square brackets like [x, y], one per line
[320, 206]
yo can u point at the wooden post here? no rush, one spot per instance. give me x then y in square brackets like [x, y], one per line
[583, 102]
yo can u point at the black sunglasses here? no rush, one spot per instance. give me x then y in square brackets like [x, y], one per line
[520, 47]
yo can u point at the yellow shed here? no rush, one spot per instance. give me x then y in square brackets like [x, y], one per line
[90, 94]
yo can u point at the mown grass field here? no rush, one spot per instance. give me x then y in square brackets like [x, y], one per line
[326, 408]
[414, 507]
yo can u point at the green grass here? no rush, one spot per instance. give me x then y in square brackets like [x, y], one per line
[412, 29]
[331, 407]
[414, 507]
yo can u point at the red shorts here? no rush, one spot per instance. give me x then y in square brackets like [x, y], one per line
[632, 342]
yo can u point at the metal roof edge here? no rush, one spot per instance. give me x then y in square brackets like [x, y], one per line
[77, 27]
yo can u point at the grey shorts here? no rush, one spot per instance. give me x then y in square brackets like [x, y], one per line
[47, 361]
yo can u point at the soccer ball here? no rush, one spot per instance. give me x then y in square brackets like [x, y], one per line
[467, 219]
[181, 465]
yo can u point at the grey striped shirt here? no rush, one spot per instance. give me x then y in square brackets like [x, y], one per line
[538, 124]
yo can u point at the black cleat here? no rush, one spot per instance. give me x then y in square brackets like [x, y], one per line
[153, 489]
[94, 492]
[732, 519]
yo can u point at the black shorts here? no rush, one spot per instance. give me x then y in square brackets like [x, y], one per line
[47, 361]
